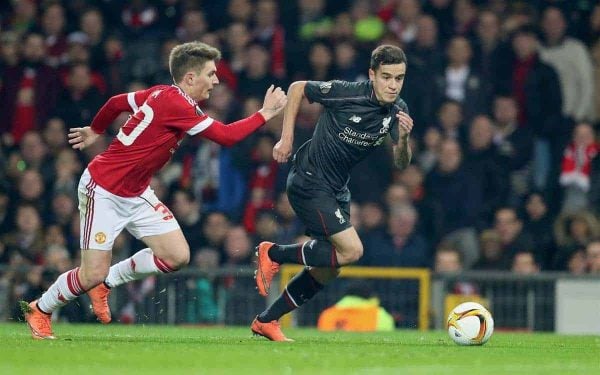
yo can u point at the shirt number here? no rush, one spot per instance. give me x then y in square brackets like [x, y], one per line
[127, 140]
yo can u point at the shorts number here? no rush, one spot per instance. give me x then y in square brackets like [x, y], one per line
[164, 210]
[127, 140]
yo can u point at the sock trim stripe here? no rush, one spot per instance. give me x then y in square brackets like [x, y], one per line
[290, 298]
[71, 283]
[162, 266]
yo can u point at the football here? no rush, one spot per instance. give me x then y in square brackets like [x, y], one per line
[470, 324]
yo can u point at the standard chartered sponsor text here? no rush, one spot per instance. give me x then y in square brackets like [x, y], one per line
[357, 138]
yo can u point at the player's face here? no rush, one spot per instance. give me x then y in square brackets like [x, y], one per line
[387, 81]
[202, 83]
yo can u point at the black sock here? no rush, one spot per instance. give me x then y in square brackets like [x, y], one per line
[316, 253]
[299, 290]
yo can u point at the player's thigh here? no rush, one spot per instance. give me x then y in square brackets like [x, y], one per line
[319, 211]
[171, 247]
[155, 225]
[100, 214]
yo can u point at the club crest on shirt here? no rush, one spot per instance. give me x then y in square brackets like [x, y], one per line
[325, 87]
[386, 125]
[100, 238]
[338, 214]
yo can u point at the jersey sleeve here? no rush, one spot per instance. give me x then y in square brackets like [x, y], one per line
[328, 93]
[399, 106]
[116, 105]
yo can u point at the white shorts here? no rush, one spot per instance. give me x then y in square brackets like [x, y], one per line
[103, 215]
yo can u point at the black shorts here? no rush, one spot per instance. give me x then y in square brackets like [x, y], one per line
[323, 212]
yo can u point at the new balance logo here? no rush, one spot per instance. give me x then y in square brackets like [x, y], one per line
[355, 119]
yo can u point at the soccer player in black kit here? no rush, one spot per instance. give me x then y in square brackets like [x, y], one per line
[357, 117]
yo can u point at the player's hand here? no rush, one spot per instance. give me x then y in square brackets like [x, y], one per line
[80, 138]
[282, 151]
[275, 100]
[405, 124]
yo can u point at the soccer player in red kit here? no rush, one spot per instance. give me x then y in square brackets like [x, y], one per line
[114, 192]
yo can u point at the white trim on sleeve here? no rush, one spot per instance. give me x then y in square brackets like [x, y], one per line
[201, 126]
[131, 101]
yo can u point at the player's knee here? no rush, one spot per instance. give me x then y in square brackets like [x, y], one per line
[179, 257]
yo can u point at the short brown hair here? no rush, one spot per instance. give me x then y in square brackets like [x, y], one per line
[387, 54]
[190, 56]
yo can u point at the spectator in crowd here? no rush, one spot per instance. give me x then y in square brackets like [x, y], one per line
[459, 81]
[27, 240]
[313, 21]
[400, 245]
[572, 62]
[237, 246]
[450, 121]
[448, 260]
[514, 144]
[81, 101]
[456, 196]
[53, 27]
[576, 168]
[483, 159]
[573, 231]
[29, 91]
[539, 98]
[592, 252]
[509, 227]
[492, 255]
[187, 212]
[214, 230]
[537, 221]
[428, 156]
[577, 263]
[491, 54]
[524, 263]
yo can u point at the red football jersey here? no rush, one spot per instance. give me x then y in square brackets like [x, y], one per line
[162, 116]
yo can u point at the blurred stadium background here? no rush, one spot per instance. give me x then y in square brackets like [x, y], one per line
[501, 203]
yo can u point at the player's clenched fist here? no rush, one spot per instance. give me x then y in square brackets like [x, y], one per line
[275, 100]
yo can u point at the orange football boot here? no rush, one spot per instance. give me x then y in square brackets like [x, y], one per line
[39, 322]
[265, 268]
[99, 297]
[270, 330]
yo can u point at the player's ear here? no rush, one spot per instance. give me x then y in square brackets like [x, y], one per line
[188, 78]
[371, 74]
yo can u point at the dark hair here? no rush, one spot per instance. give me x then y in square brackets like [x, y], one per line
[189, 56]
[386, 55]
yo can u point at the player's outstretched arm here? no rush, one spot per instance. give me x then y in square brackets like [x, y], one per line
[283, 148]
[230, 134]
[80, 138]
[402, 151]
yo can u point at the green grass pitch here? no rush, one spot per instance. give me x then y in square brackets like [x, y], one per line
[148, 349]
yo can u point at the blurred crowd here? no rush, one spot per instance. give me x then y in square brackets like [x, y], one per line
[505, 172]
